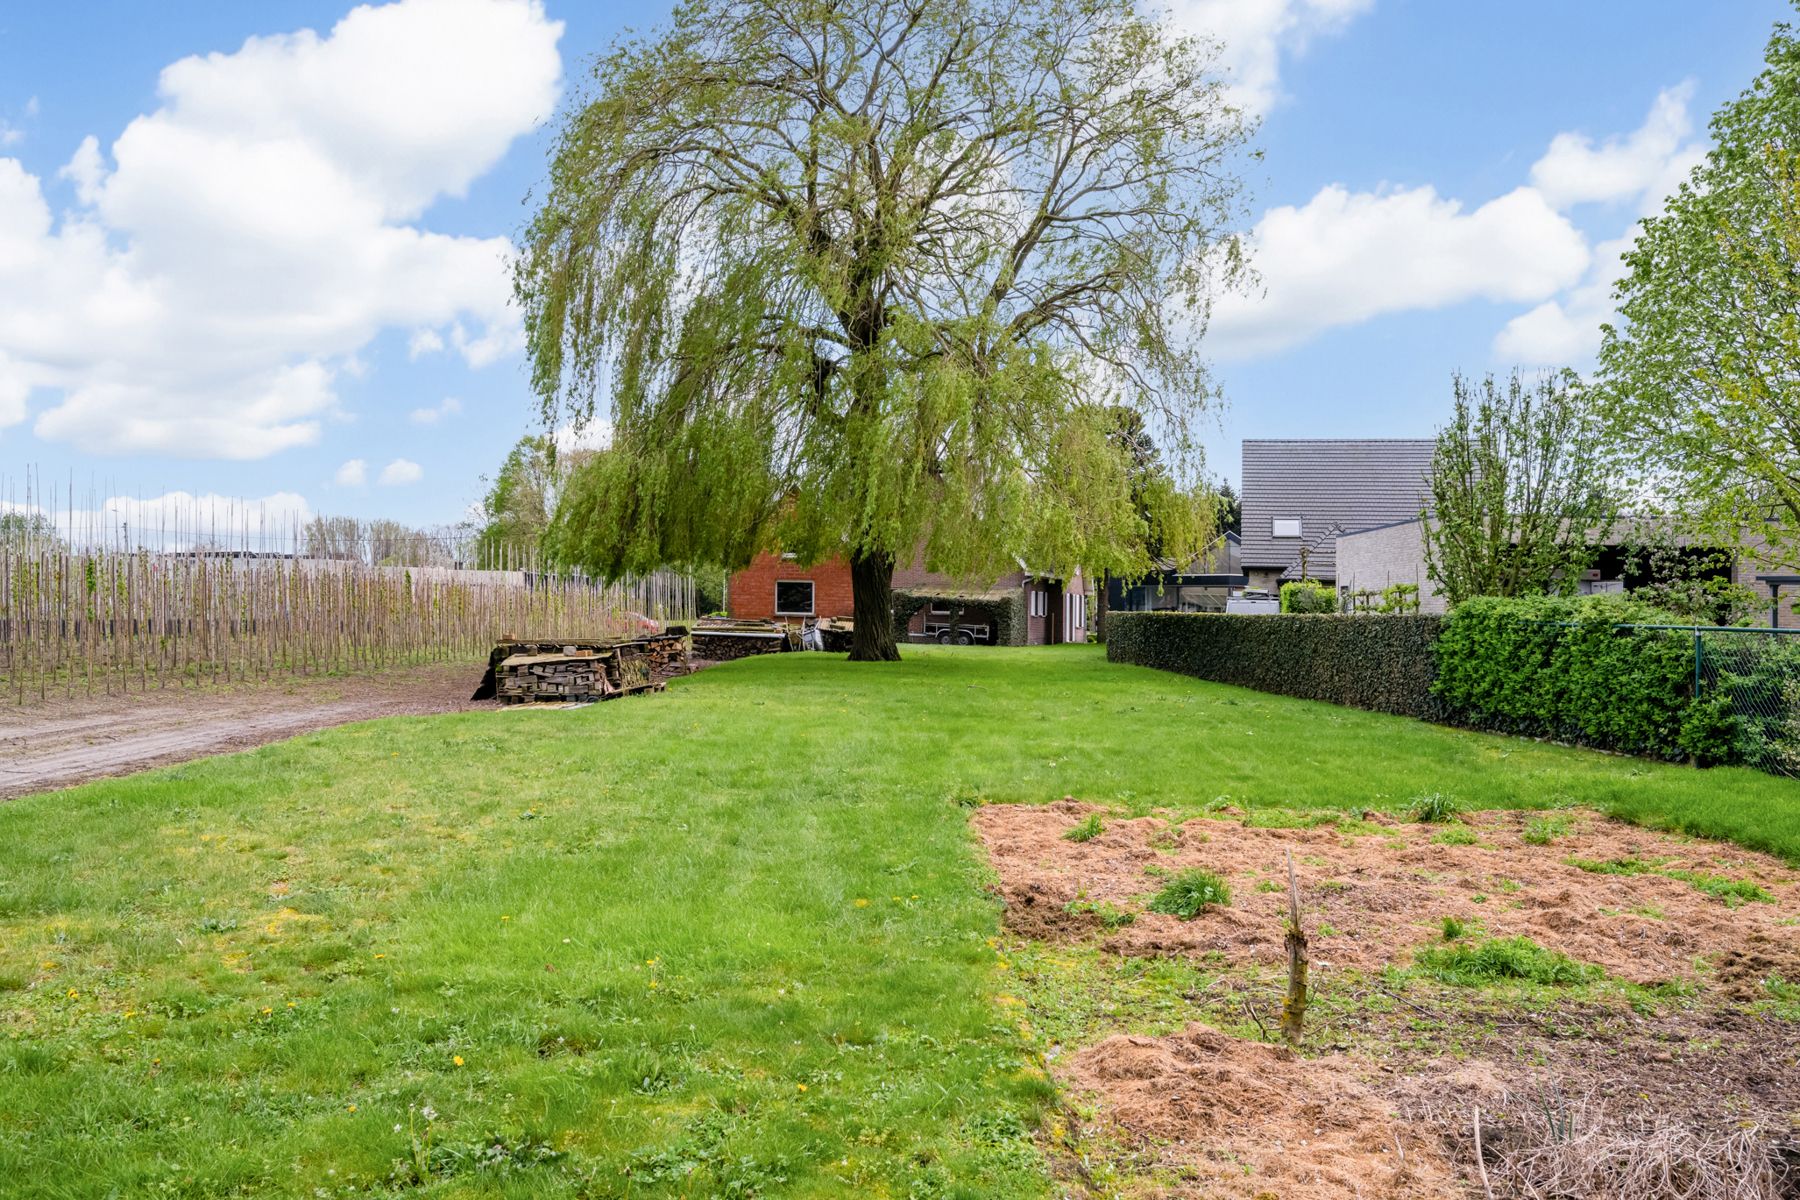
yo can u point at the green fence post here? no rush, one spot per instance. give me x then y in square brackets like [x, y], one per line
[1696, 663]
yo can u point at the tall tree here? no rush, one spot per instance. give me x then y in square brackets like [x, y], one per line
[865, 277]
[517, 512]
[1520, 498]
[1701, 372]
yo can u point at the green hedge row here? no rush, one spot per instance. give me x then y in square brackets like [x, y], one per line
[1562, 667]
[1382, 663]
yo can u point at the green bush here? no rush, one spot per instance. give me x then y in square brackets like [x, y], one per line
[1189, 893]
[1562, 667]
[1435, 808]
[1087, 830]
[1379, 663]
[1308, 596]
[1471, 964]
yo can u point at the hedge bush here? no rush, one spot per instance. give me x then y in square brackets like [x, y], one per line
[1307, 596]
[1379, 663]
[1002, 612]
[1562, 667]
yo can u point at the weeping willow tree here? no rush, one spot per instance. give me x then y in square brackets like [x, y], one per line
[869, 277]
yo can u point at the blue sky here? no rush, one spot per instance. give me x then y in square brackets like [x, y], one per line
[246, 281]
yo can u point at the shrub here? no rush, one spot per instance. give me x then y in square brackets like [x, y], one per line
[1379, 663]
[1435, 808]
[1454, 929]
[1091, 827]
[1308, 596]
[1189, 893]
[1471, 964]
[1399, 598]
[1562, 667]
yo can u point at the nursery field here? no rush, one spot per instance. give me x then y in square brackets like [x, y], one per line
[801, 927]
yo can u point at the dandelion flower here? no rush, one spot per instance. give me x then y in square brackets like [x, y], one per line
[73, 993]
[350, 1108]
[290, 1004]
[381, 956]
[801, 1086]
[653, 983]
[861, 902]
[457, 1059]
[506, 918]
[267, 1010]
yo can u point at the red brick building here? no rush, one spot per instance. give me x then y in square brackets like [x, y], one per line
[776, 586]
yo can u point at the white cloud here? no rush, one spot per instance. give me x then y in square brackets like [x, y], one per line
[354, 473]
[256, 230]
[1644, 168]
[431, 416]
[10, 135]
[1345, 257]
[423, 342]
[179, 520]
[399, 472]
[1256, 33]
[595, 435]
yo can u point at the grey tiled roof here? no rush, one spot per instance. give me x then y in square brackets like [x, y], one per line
[1333, 486]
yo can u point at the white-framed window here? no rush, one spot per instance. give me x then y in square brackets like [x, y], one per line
[1287, 527]
[793, 597]
[1038, 599]
[940, 608]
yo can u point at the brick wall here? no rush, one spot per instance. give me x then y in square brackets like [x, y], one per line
[751, 593]
[1376, 558]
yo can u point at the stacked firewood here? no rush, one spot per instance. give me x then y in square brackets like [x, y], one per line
[520, 672]
[525, 677]
[722, 640]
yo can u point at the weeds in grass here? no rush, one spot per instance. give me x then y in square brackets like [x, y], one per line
[1454, 929]
[1110, 915]
[1732, 891]
[1611, 866]
[1435, 808]
[1456, 835]
[1498, 960]
[1541, 831]
[1189, 893]
[1090, 828]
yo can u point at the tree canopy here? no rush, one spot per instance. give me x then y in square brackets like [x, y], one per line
[1520, 498]
[868, 277]
[1701, 372]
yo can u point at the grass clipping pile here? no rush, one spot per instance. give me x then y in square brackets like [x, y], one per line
[1668, 1067]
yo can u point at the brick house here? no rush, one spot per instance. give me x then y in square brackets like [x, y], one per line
[775, 586]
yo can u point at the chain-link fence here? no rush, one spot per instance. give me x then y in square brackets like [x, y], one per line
[1756, 671]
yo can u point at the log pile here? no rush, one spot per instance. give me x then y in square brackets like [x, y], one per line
[717, 639]
[523, 672]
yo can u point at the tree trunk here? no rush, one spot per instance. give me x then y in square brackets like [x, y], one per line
[872, 603]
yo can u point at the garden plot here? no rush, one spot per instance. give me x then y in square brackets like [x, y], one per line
[1604, 994]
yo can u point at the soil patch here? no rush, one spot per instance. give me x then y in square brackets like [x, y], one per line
[1409, 1059]
[1375, 889]
[65, 741]
[1231, 1118]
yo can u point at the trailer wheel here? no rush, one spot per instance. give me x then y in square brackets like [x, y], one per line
[943, 637]
[964, 638]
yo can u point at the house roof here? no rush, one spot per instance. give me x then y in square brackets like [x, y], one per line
[1331, 486]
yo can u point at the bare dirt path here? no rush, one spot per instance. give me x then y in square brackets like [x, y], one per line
[68, 741]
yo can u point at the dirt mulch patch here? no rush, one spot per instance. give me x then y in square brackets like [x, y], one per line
[1234, 1118]
[1243, 1120]
[1383, 893]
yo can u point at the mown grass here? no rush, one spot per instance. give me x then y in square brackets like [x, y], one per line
[733, 940]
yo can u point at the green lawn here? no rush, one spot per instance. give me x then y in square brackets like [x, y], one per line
[733, 940]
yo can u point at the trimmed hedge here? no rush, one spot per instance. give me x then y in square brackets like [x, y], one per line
[1306, 596]
[1561, 667]
[1379, 663]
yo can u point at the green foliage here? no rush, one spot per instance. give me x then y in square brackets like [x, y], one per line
[1562, 667]
[838, 284]
[1520, 498]
[1110, 915]
[1455, 835]
[1308, 596]
[1189, 893]
[1454, 928]
[1399, 598]
[1699, 370]
[1612, 866]
[1090, 827]
[1435, 808]
[517, 510]
[1385, 665]
[1733, 891]
[1501, 960]
[1542, 831]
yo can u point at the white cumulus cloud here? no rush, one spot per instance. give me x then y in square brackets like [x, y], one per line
[259, 228]
[1256, 34]
[399, 472]
[1345, 257]
[448, 407]
[353, 473]
[1641, 168]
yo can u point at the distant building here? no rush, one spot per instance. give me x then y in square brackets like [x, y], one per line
[1203, 585]
[775, 586]
[1300, 495]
